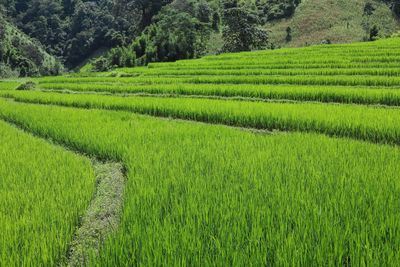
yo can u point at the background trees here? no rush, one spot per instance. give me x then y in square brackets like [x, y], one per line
[135, 32]
[241, 31]
[74, 29]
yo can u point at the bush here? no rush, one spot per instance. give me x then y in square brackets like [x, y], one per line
[396, 34]
[373, 33]
[101, 64]
[7, 72]
[26, 86]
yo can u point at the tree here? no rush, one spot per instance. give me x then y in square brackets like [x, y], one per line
[203, 12]
[101, 64]
[241, 31]
[173, 35]
[216, 20]
[368, 9]
[41, 19]
[91, 28]
[396, 7]
[148, 9]
[288, 34]
[373, 33]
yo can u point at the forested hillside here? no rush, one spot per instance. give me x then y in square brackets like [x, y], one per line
[22, 55]
[136, 32]
[73, 29]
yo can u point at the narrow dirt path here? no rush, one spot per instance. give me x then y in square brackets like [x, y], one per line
[103, 215]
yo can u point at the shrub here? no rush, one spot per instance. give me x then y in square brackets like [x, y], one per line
[101, 64]
[26, 86]
[7, 72]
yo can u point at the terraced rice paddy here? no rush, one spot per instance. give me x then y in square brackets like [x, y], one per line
[307, 176]
[43, 191]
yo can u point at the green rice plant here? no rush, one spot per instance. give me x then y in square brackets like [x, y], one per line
[260, 67]
[286, 72]
[360, 122]
[208, 195]
[5, 85]
[43, 192]
[339, 94]
[339, 80]
[297, 80]
[211, 195]
[270, 64]
[238, 64]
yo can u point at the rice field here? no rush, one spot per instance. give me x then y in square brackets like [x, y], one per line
[8, 85]
[43, 192]
[271, 158]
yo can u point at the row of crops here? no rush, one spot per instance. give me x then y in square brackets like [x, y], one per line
[43, 191]
[318, 186]
[359, 122]
[341, 80]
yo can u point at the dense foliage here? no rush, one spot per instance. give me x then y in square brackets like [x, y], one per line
[136, 32]
[268, 10]
[182, 29]
[22, 56]
[73, 29]
[241, 32]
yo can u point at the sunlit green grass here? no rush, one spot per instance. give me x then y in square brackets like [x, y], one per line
[205, 195]
[340, 94]
[6, 85]
[43, 192]
[342, 80]
[210, 195]
[360, 122]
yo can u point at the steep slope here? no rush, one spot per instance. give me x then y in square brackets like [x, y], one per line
[22, 56]
[336, 21]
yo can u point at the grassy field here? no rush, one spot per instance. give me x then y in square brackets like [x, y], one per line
[277, 158]
[43, 191]
[335, 20]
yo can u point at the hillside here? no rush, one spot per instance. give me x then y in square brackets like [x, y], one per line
[20, 55]
[286, 157]
[125, 33]
[337, 21]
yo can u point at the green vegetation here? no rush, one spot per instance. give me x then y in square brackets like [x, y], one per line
[201, 194]
[102, 216]
[23, 56]
[307, 176]
[43, 191]
[368, 123]
[339, 94]
[73, 30]
[248, 79]
[240, 32]
[326, 21]
[4, 85]
[364, 73]
[103, 34]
